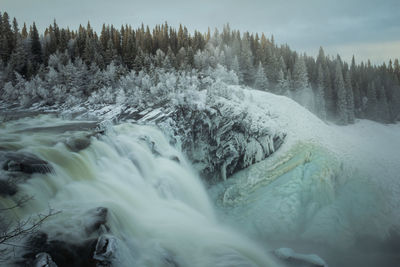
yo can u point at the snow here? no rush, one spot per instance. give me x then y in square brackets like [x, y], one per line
[289, 254]
[327, 186]
[370, 147]
[366, 144]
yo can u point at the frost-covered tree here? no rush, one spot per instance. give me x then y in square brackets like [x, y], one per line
[282, 87]
[349, 98]
[320, 94]
[299, 74]
[342, 107]
[383, 107]
[83, 69]
[246, 62]
[260, 79]
[236, 68]
[371, 101]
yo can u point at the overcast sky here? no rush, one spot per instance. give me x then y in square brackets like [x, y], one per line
[365, 28]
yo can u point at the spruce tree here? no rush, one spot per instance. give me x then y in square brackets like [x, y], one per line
[320, 94]
[282, 87]
[236, 69]
[24, 32]
[382, 106]
[260, 81]
[341, 94]
[36, 47]
[299, 74]
[246, 62]
[349, 98]
[6, 38]
[371, 101]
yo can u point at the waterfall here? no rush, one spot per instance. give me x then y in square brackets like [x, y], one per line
[159, 213]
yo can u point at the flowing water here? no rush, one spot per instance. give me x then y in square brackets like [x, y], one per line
[158, 209]
[160, 214]
[311, 201]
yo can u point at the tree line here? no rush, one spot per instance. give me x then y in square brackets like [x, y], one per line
[330, 87]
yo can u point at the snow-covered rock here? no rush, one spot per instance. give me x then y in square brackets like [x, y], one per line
[224, 136]
[219, 136]
[44, 260]
[297, 259]
[105, 250]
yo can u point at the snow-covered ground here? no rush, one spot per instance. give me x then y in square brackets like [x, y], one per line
[331, 190]
[365, 145]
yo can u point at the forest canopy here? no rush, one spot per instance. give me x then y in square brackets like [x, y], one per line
[144, 66]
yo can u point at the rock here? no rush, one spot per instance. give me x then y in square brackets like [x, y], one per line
[16, 167]
[291, 258]
[7, 188]
[62, 253]
[94, 247]
[77, 144]
[105, 250]
[23, 162]
[175, 158]
[44, 260]
[75, 126]
[98, 218]
[219, 138]
[222, 138]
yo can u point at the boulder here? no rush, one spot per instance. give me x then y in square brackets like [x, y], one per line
[76, 144]
[7, 187]
[23, 162]
[44, 260]
[96, 248]
[105, 250]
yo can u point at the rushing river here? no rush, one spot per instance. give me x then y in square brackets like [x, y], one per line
[159, 213]
[126, 186]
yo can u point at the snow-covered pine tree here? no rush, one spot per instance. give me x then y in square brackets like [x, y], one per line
[246, 61]
[349, 97]
[282, 87]
[260, 80]
[236, 69]
[320, 94]
[341, 94]
[382, 106]
[299, 74]
[371, 103]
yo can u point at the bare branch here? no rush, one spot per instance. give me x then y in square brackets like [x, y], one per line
[24, 227]
[20, 203]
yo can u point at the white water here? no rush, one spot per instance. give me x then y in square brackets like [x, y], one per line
[158, 208]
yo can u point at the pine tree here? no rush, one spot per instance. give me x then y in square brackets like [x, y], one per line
[18, 61]
[349, 98]
[282, 87]
[299, 74]
[6, 38]
[341, 94]
[36, 47]
[382, 106]
[371, 101]
[320, 94]
[24, 32]
[246, 62]
[273, 66]
[236, 69]
[260, 81]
